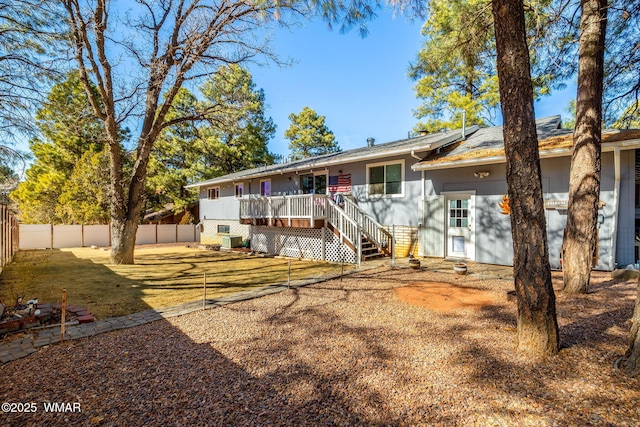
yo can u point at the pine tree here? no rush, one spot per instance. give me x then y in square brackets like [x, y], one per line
[309, 136]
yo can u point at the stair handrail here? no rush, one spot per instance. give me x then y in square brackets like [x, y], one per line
[371, 228]
[347, 227]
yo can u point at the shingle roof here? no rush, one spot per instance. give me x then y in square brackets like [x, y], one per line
[403, 146]
[487, 145]
[488, 142]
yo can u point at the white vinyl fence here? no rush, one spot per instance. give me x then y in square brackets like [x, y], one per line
[8, 236]
[45, 236]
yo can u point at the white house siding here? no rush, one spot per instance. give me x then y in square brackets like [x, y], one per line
[493, 241]
[210, 235]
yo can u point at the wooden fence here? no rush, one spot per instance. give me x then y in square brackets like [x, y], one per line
[8, 235]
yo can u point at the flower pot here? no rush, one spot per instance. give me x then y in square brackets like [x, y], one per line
[460, 268]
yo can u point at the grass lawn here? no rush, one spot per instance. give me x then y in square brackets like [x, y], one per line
[162, 276]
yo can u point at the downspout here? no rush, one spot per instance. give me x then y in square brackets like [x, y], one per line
[421, 210]
[616, 204]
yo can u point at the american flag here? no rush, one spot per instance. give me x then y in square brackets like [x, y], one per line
[340, 183]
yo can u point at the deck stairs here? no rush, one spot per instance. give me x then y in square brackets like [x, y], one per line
[360, 230]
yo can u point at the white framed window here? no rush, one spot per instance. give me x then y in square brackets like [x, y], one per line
[223, 229]
[239, 190]
[265, 187]
[386, 179]
[213, 193]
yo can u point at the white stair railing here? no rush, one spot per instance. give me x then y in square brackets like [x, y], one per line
[346, 227]
[373, 230]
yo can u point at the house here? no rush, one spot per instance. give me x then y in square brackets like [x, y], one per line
[168, 214]
[438, 194]
[290, 209]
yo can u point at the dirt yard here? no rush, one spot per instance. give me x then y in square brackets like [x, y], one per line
[383, 347]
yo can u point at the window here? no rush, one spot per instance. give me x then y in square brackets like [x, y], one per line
[316, 184]
[213, 193]
[459, 213]
[223, 229]
[239, 191]
[265, 188]
[385, 179]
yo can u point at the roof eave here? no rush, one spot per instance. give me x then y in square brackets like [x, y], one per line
[544, 154]
[335, 161]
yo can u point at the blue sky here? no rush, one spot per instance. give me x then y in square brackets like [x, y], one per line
[359, 84]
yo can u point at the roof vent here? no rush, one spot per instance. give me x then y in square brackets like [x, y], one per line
[371, 142]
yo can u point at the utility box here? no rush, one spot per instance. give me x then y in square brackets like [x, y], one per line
[229, 242]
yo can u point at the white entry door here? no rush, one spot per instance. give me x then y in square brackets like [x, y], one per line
[460, 226]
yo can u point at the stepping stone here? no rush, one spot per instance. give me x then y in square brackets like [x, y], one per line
[86, 319]
[83, 313]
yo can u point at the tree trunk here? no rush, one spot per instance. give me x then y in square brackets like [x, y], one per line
[579, 243]
[537, 324]
[123, 240]
[631, 360]
[126, 208]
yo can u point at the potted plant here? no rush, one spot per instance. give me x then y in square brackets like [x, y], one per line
[460, 268]
[414, 263]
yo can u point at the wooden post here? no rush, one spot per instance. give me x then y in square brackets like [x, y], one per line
[204, 300]
[289, 275]
[393, 246]
[63, 314]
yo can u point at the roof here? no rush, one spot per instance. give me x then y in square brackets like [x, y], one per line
[419, 144]
[486, 146]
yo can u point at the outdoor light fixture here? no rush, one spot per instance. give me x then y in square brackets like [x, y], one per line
[481, 174]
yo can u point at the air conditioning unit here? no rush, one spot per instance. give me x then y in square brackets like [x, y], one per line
[229, 242]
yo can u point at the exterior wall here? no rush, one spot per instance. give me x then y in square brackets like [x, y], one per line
[210, 235]
[226, 207]
[493, 242]
[625, 238]
[388, 210]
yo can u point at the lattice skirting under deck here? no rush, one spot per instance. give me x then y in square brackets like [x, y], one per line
[301, 243]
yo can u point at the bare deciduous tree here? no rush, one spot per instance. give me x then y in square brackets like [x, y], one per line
[138, 59]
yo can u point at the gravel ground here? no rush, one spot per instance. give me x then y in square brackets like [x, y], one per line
[341, 353]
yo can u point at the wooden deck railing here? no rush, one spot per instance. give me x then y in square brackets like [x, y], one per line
[311, 207]
[350, 222]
